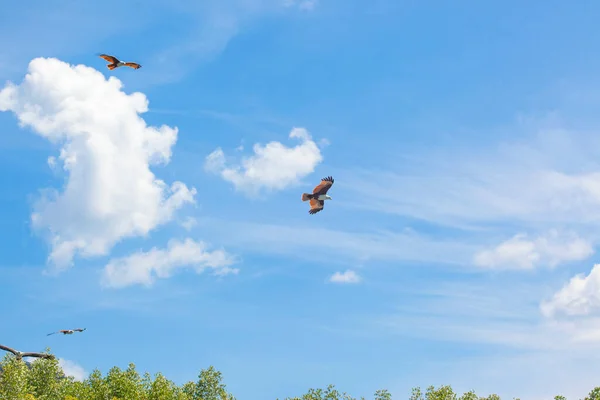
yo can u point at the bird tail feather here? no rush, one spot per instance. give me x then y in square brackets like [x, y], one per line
[306, 196]
[111, 66]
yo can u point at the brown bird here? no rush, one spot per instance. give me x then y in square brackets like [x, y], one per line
[68, 331]
[319, 195]
[115, 62]
[20, 355]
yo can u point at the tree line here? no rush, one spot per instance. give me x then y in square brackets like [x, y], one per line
[44, 379]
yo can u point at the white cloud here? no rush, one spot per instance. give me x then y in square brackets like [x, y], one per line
[144, 267]
[189, 223]
[579, 297]
[520, 252]
[71, 368]
[273, 166]
[106, 150]
[347, 276]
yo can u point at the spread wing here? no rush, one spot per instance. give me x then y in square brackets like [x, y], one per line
[110, 59]
[79, 329]
[324, 186]
[133, 65]
[316, 206]
[63, 331]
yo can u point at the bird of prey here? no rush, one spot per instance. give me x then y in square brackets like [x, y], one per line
[115, 62]
[318, 196]
[68, 331]
[20, 355]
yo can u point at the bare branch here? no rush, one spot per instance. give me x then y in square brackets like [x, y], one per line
[20, 355]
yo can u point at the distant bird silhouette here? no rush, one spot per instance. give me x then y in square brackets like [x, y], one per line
[20, 355]
[115, 62]
[68, 331]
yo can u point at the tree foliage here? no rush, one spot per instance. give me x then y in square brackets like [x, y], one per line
[44, 379]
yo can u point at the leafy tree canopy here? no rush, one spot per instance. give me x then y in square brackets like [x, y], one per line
[43, 379]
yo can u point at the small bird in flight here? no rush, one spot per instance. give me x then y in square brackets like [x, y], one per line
[68, 331]
[319, 195]
[115, 62]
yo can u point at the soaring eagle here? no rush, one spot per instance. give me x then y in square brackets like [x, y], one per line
[20, 355]
[68, 331]
[319, 195]
[114, 62]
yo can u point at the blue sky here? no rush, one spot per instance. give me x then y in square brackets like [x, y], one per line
[462, 137]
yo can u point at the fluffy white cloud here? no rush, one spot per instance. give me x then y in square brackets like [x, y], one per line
[347, 276]
[106, 151]
[273, 166]
[520, 252]
[73, 369]
[579, 297]
[144, 267]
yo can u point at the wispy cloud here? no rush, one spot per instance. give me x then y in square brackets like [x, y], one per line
[534, 375]
[497, 331]
[273, 166]
[552, 178]
[214, 24]
[339, 246]
[250, 121]
[189, 223]
[510, 320]
[521, 252]
[106, 151]
[347, 276]
[142, 268]
[307, 5]
[205, 29]
[32, 29]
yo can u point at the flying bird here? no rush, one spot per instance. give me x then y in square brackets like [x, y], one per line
[318, 196]
[20, 355]
[68, 331]
[115, 62]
